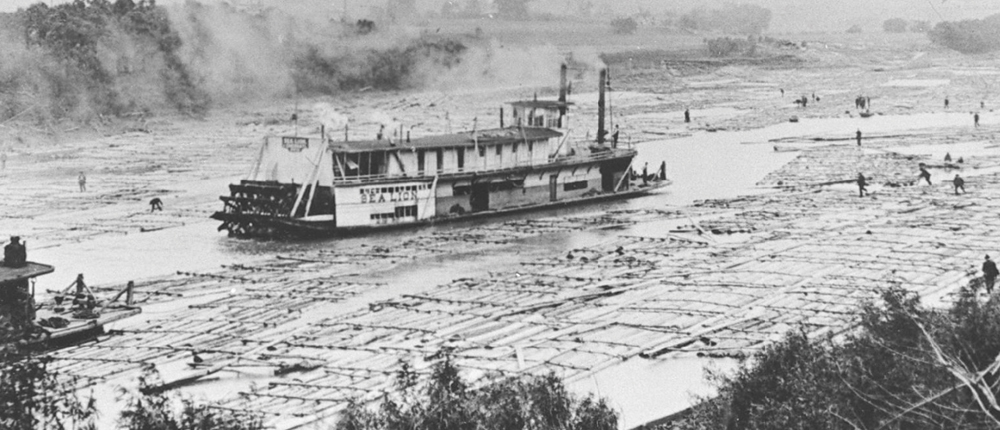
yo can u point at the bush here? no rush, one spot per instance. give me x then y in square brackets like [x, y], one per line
[315, 72]
[855, 29]
[889, 372]
[895, 25]
[446, 402]
[624, 25]
[737, 19]
[152, 410]
[730, 47]
[34, 398]
[512, 9]
[969, 36]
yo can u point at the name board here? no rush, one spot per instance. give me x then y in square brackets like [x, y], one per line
[295, 144]
[389, 194]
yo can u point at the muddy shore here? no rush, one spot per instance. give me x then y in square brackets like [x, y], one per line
[760, 233]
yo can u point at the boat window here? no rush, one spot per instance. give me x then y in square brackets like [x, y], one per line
[578, 185]
[531, 146]
[513, 149]
[461, 190]
[420, 161]
[383, 218]
[406, 211]
[482, 151]
[499, 149]
[440, 160]
[461, 158]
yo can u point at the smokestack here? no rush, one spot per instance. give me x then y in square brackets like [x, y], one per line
[501, 116]
[563, 90]
[562, 83]
[600, 106]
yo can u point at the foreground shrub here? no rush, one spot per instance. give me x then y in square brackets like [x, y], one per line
[34, 398]
[447, 402]
[898, 371]
[153, 410]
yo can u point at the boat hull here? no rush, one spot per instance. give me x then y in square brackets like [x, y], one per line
[287, 227]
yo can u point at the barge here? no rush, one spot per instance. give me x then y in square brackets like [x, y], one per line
[70, 318]
[315, 186]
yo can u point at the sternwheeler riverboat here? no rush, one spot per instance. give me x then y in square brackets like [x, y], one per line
[309, 186]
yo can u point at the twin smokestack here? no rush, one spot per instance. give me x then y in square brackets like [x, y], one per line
[564, 90]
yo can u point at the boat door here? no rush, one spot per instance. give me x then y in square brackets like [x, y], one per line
[479, 199]
[553, 187]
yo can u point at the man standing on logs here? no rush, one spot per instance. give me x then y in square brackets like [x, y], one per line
[14, 253]
[959, 183]
[862, 183]
[990, 273]
[858, 135]
[924, 174]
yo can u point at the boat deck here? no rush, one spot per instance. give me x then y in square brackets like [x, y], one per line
[30, 270]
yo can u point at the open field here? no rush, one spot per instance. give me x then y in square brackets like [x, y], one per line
[761, 233]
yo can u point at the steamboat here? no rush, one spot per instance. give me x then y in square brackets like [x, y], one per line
[309, 186]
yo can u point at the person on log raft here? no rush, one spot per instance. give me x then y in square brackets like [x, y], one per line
[862, 183]
[924, 174]
[990, 273]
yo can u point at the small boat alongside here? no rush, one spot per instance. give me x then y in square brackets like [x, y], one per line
[68, 319]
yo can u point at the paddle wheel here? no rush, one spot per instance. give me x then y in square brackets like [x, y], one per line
[251, 203]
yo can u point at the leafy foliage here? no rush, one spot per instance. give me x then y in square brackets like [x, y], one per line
[729, 47]
[317, 72]
[446, 402]
[512, 9]
[81, 39]
[624, 25]
[155, 411]
[855, 29]
[884, 376]
[969, 36]
[34, 398]
[737, 19]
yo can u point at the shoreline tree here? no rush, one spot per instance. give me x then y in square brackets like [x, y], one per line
[906, 366]
[512, 9]
[445, 401]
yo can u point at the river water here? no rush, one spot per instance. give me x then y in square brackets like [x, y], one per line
[704, 165]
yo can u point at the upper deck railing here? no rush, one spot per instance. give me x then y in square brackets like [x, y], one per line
[552, 161]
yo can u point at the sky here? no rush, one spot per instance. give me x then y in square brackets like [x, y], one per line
[789, 15]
